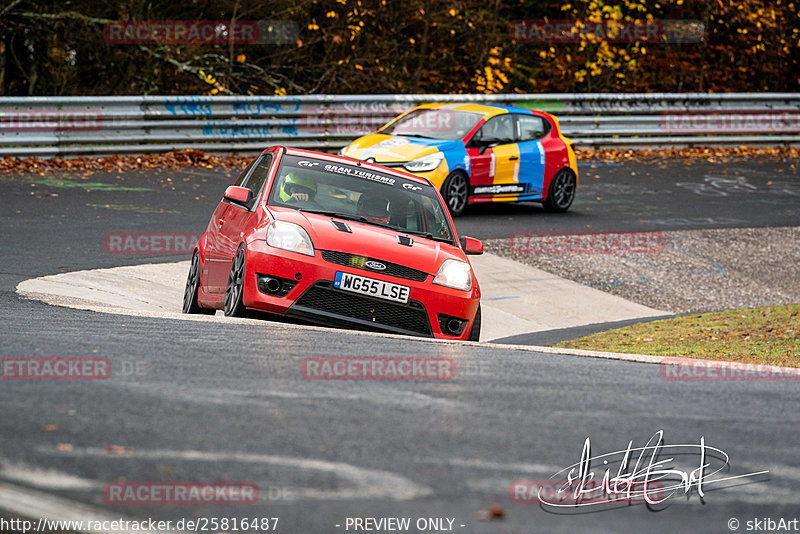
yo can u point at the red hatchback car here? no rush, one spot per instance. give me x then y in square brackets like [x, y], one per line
[331, 240]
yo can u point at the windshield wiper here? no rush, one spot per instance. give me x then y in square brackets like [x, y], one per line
[427, 235]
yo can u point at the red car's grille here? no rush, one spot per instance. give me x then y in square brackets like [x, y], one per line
[321, 300]
[360, 262]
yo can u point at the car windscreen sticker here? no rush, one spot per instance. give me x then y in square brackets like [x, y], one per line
[367, 175]
[347, 170]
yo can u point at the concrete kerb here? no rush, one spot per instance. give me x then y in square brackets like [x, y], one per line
[155, 290]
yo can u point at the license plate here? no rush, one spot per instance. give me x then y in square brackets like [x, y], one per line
[370, 286]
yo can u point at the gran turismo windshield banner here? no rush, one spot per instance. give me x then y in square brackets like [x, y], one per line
[355, 171]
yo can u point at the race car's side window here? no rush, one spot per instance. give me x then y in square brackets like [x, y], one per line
[245, 173]
[435, 222]
[531, 127]
[258, 176]
[498, 130]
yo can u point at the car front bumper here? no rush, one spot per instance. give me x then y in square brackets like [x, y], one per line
[430, 309]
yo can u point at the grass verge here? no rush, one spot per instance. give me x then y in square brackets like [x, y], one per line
[766, 336]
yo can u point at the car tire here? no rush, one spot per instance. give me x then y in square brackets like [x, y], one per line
[455, 192]
[475, 333]
[234, 290]
[190, 304]
[561, 192]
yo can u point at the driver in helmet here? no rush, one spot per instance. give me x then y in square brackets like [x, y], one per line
[374, 207]
[297, 188]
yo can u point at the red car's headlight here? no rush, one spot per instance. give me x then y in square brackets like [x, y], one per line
[289, 236]
[455, 274]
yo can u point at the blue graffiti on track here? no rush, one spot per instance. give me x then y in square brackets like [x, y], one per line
[250, 132]
[265, 108]
[189, 105]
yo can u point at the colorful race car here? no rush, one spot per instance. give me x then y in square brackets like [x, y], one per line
[478, 153]
[330, 240]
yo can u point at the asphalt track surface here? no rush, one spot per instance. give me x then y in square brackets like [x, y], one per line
[227, 402]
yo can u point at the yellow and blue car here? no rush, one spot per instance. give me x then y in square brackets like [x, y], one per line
[478, 153]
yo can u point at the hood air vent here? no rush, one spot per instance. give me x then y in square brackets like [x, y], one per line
[341, 226]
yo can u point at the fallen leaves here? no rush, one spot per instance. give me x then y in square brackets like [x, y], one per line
[197, 158]
[495, 511]
[170, 160]
[713, 154]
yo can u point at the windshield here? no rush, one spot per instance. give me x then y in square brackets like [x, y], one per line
[438, 123]
[355, 193]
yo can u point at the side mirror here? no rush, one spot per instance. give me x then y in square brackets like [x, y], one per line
[239, 195]
[471, 246]
[487, 143]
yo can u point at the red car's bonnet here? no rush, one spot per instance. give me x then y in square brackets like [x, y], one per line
[371, 241]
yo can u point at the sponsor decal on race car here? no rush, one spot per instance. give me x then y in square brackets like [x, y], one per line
[498, 189]
[394, 141]
[306, 165]
[360, 174]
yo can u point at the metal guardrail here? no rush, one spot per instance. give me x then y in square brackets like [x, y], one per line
[71, 126]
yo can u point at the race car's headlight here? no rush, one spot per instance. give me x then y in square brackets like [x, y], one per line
[425, 163]
[455, 274]
[289, 236]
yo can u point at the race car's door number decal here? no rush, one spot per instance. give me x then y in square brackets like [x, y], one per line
[370, 286]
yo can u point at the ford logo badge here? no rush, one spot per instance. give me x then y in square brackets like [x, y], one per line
[378, 266]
